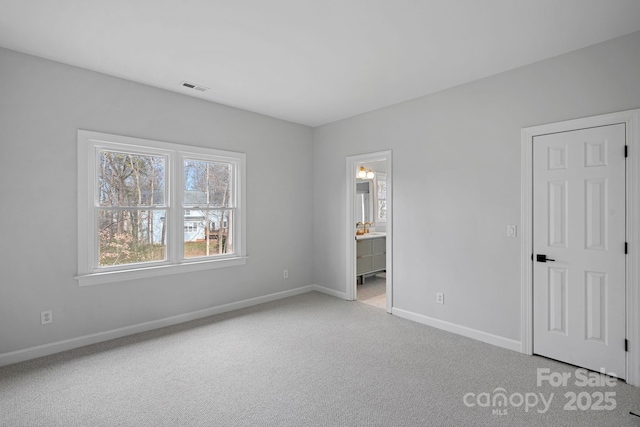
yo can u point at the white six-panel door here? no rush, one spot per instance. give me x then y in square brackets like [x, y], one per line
[579, 225]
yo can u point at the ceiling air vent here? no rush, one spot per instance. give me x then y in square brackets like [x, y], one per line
[195, 86]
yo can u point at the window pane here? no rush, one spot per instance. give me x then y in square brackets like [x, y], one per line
[208, 232]
[382, 188]
[207, 184]
[382, 209]
[382, 197]
[126, 179]
[131, 235]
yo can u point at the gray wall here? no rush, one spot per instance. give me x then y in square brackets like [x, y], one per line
[456, 173]
[42, 104]
[456, 185]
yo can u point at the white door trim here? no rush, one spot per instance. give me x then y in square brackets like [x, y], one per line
[350, 231]
[631, 119]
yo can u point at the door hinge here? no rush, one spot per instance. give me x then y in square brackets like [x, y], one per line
[626, 345]
[626, 151]
[626, 248]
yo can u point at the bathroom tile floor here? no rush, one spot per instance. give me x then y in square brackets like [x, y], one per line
[373, 292]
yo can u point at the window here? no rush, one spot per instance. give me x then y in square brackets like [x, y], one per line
[381, 197]
[144, 206]
[190, 227]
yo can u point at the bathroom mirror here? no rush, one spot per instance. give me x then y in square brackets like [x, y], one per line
[364, 201]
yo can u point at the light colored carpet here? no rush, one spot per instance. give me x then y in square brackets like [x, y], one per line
[308, 360]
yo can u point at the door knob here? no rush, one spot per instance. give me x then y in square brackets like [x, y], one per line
[543, 258]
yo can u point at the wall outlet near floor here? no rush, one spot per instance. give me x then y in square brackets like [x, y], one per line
[285, 274]
[440, 297]
[46, 317]
[511, 230]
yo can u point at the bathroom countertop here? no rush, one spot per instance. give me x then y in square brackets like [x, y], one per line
[372, 235]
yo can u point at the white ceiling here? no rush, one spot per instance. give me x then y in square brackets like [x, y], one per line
[309, 61]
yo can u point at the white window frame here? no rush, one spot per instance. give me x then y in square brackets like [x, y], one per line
[88, 271]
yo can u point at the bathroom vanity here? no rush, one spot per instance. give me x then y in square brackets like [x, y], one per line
[371, 254]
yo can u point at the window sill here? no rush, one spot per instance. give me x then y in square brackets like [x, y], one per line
[155, 271]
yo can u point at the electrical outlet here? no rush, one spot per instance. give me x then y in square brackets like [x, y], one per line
[511, 230]
[440, 297]
[46, 317]
[285, 274]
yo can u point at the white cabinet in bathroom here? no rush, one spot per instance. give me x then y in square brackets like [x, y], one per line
[371, 255]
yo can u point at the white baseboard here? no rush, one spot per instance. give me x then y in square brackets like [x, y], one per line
[460, 330]
[59, 346]
[328, 291]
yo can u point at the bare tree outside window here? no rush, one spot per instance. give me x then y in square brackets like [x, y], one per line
[130, 224]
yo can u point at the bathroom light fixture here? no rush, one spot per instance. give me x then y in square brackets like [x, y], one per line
[365, 173]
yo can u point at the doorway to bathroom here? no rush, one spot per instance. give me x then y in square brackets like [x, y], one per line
[369, 229]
